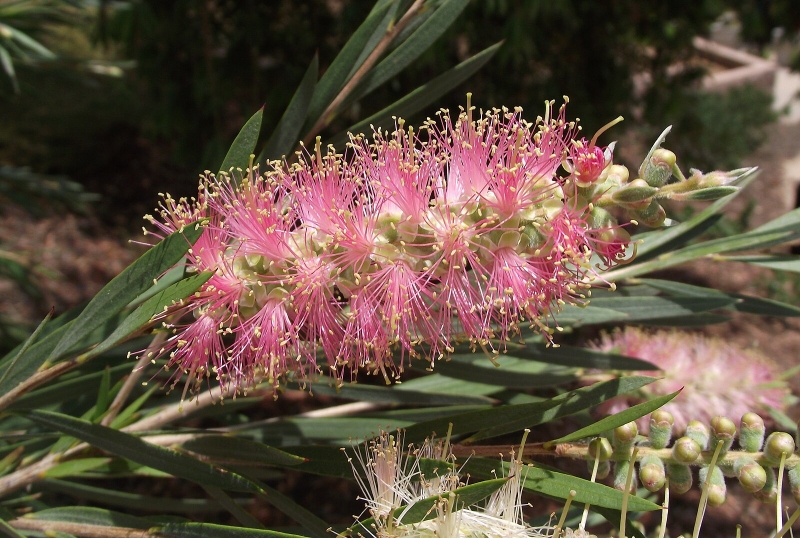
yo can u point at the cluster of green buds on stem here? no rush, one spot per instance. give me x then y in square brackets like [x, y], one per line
[759, 462]
[659, 178]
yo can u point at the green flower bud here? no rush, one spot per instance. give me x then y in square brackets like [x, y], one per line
[636, 191]
[621, 476]
[716, 485]
[699, 432]
[794, 481]
[624, 435]
[722, 429]
[686, 450]
[617, 174]
[778, 444]
[751, 475]
[661, 428]
[600, 448]
[769, 492]
[680, 477]
[658, 169]
[653, 215]
[652, 473]
[751, 432]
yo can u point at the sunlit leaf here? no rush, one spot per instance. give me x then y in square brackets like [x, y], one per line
[244, 144]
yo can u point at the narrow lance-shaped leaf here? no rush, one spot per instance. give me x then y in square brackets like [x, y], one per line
[126, 286]
[378, 34]
[411, 48]
[544, 480]
[139, 451]
[107, 303]
[31, 339]
[244, 144]
[497, 421]
[285, 135]
[152, 307]
[337, 73]
[204, 530]
[618, 419]
[424, 95]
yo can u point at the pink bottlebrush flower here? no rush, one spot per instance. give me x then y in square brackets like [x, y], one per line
[407, 242]
[717, 377]
[587, 162]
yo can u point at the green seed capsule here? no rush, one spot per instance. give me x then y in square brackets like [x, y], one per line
[751, 432]
[600, 448]
[621, 476]
[680, 477]
[722, 429]
[778, 444]
[625, 434]
[751, 475]
[769, 492]
[661, 428]
[686, 450]
[652, 473]
[716, 485]
[699, 432]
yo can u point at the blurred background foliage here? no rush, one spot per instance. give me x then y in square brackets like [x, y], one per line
[141, 95]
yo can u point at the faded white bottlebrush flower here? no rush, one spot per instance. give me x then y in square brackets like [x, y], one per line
[391, 476]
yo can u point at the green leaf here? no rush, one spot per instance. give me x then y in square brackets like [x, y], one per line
[103, 395]
[422, 96]
[510, 372]
[205, 530]
[127, 500]
[75, 467]
[638, 308]
[240, 449]
[741, 303]
[623, 417]
[244, 145]
[152, 307]
[393, 395]
[285, 135]
[439, 384]
[75, 385]
[776, 263]
[337, 73]
[705, 195]
[125, 287]
[241, 515]
[781, 230]
[579, 357]
[510, 418]
[25, 345]
[139, 451]
[423, 509]
[293, 431]
[380, 31]
[411, 48]
[91, 516]
[547, 481]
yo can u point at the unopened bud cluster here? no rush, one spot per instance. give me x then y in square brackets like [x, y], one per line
[753, 463]
[402, 247]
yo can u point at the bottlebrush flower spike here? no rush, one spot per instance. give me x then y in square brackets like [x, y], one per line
[718, 379]
[406, 245]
